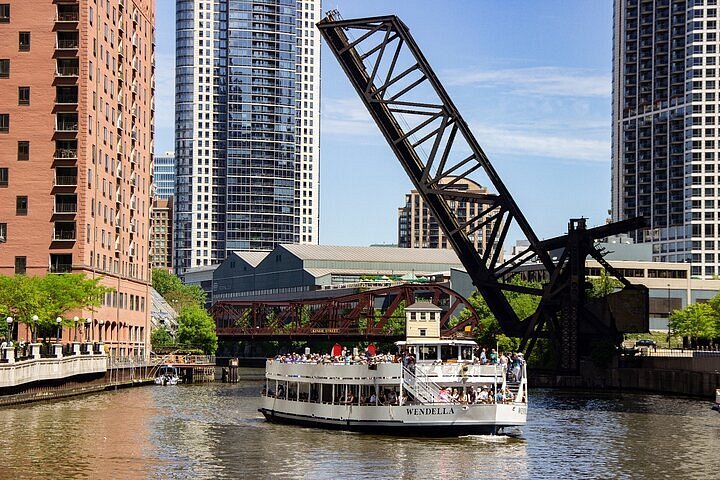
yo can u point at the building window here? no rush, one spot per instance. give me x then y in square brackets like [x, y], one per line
[4, 68]
[24, 41]
[4, 174]
[23, 150]
[23, 95]
[4, 122]
[4, 13]
[21, 205]
[3, 232]
[20, 265]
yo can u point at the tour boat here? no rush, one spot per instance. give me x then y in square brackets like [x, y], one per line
[436, 387]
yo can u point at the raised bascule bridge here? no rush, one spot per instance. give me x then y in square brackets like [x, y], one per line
[436, 148]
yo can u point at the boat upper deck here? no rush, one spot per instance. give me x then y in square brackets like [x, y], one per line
[390, 372]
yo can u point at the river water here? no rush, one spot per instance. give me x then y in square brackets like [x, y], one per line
[214, 431]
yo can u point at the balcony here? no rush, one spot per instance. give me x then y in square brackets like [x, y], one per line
[65, 204]
[66, 122]
[67, 41]
[64, 232]
[66, 96]
[67, 13]
[65, 154]
[67, 67]
[66, 177]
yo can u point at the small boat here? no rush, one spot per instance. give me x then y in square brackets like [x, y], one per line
[432, 387]
[167, 375]
[717, 400]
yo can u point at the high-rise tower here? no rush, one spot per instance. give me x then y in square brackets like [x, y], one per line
[665, 126]
[76, 142]
[247, 126]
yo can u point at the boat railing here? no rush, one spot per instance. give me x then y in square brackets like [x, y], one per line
[423, 389]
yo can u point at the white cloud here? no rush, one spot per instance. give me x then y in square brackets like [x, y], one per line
[554, 81]
[581, 140]
[347, 116]
[548, 143]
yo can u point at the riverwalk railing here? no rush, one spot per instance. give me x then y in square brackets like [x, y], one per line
[29, 364]
[677, 352]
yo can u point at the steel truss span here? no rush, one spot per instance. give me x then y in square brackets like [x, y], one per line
[437, 149]
[364, 315]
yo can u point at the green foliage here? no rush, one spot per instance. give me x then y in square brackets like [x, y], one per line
[489, 332]
[175, 292]
[603, 285]
[197, 328]
[160, 337]
[48, 297]
[164, 281]
[395, 324]
[696, 321]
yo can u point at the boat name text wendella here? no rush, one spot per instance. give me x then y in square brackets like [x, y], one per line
[431, 411]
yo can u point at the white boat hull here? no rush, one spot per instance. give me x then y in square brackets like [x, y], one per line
[435, 420]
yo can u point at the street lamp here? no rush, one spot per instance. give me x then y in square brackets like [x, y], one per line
[35, 332]
[669, 310]
[76, 320]
[101, 323]
[10, 327]
[88, 321]
[58, 320]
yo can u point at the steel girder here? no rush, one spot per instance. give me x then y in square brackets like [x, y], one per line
[360, 315]
[437, 149]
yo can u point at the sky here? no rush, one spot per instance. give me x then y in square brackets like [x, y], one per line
[532, 79]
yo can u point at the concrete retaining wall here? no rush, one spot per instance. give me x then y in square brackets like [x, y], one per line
[695, 376]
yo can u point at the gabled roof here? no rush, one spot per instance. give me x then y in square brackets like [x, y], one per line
[424, 306]
[372, 254]
[252, 257]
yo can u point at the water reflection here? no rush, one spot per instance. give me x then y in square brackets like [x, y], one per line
[215, 431]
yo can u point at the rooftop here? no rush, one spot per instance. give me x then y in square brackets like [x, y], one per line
[372, 254]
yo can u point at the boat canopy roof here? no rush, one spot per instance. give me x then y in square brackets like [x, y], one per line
[434, 341]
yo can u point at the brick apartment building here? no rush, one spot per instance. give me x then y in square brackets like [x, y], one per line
[76, 143]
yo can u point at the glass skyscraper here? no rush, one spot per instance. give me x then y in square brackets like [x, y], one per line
[247, 125]
[666, 76]
[164, 176]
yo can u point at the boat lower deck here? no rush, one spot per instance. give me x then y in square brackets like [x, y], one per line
[440, 419]
[384, 427]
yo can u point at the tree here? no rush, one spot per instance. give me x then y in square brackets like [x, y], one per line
[48, 297]
[61, 293]
[197, 328]
[175, 292]
[489, 332]
[164, 281]
[20, 297]
[696, 321]
[160, 337]
[603, 285]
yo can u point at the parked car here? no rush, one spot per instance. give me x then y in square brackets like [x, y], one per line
[646, 342]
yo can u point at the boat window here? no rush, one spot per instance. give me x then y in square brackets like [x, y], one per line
[466, 352]
[448, 352]
[428, 352]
